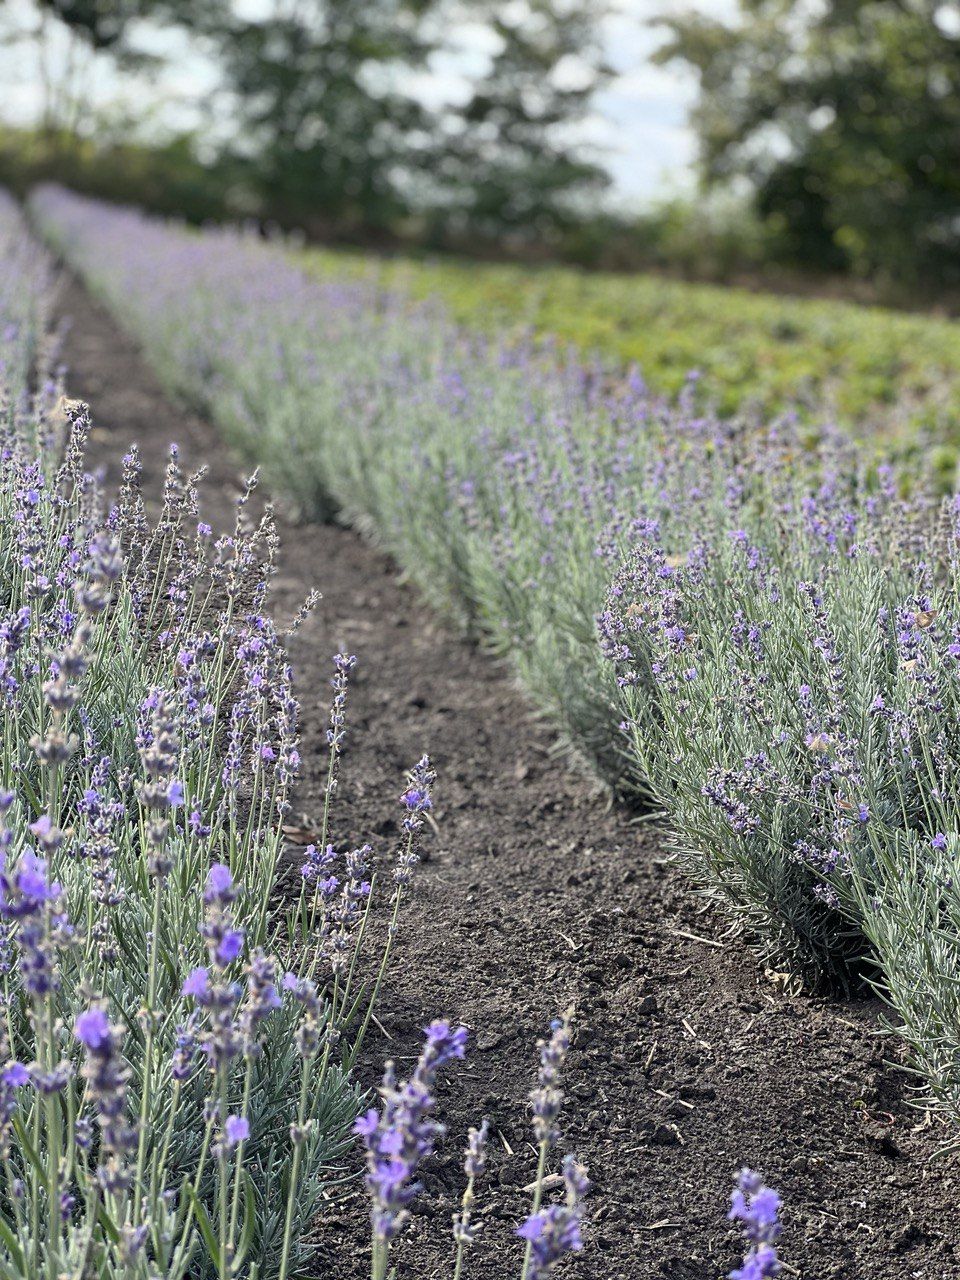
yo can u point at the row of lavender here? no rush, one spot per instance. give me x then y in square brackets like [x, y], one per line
[148, 1055]
[779, 627]
[175, 1051]
[174, 1062]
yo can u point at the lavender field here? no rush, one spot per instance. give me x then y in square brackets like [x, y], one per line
[741, 636]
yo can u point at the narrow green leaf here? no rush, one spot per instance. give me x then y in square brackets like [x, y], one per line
[205, 1225]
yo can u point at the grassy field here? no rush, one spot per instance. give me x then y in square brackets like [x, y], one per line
[873, 368]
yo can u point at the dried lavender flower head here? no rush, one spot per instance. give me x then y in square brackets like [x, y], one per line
[474, 1163]
[475, 1156]
[547, 1098]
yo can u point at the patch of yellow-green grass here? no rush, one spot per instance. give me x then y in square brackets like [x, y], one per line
[879, 371]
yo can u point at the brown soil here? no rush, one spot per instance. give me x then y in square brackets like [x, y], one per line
[535, 895]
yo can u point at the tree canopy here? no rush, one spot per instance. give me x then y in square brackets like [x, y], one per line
[844, 117]
[324, 123]
[514, 161]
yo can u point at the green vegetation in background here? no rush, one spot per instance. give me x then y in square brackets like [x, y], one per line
[892, 372]
[317, 113]
[168, 179]
[715, 240]
[842, 119]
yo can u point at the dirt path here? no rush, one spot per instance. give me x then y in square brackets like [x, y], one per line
[687, 1061]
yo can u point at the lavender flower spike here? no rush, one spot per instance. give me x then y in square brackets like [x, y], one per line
[553, 1232]
[107, 1078]
[757, 1207]
[474, 1163]
[547, 1097]
[402, 1134]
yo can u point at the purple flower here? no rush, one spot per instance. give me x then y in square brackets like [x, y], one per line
[106, 1079]
[416, 801]
[49, 837]
[261, 1000]
[403, 1133]
[757, 1207]
[92, 1028]
[304, 991]
[237, 1129]
[219, 886]
[181, 1062]
[547, 1098]
[27, 897]
[759, 1264]
[15, 1075]
[474, 1163]
[223, 1038]
[31, 878]
[553, 1232]
[230, 946]
[316, 861]
[196, 984]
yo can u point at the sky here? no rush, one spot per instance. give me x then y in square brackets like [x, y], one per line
[642, 117]
[639, 126]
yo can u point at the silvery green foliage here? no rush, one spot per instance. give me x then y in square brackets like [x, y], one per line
[713, 650]
[800, 722]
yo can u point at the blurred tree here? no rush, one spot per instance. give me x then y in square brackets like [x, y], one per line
[517, 159]
[328, 126]
[74, 38]
[321, 118]
[844, 116]
[106, 24]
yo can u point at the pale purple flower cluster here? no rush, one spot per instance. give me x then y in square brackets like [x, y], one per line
[343, 665]
[403, 1133]
[13, 1077]
[415, 801]
[474, 1163]
[106, 1079]
[30, 899]
[162, 792]
[308, 1033]
[554, 1232]
[208, 986]
[546, 1099]
[262, 998]
[224, 941]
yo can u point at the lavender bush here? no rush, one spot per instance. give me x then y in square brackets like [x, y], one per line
[807, 752]
[181, 1107]
[26, 295]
